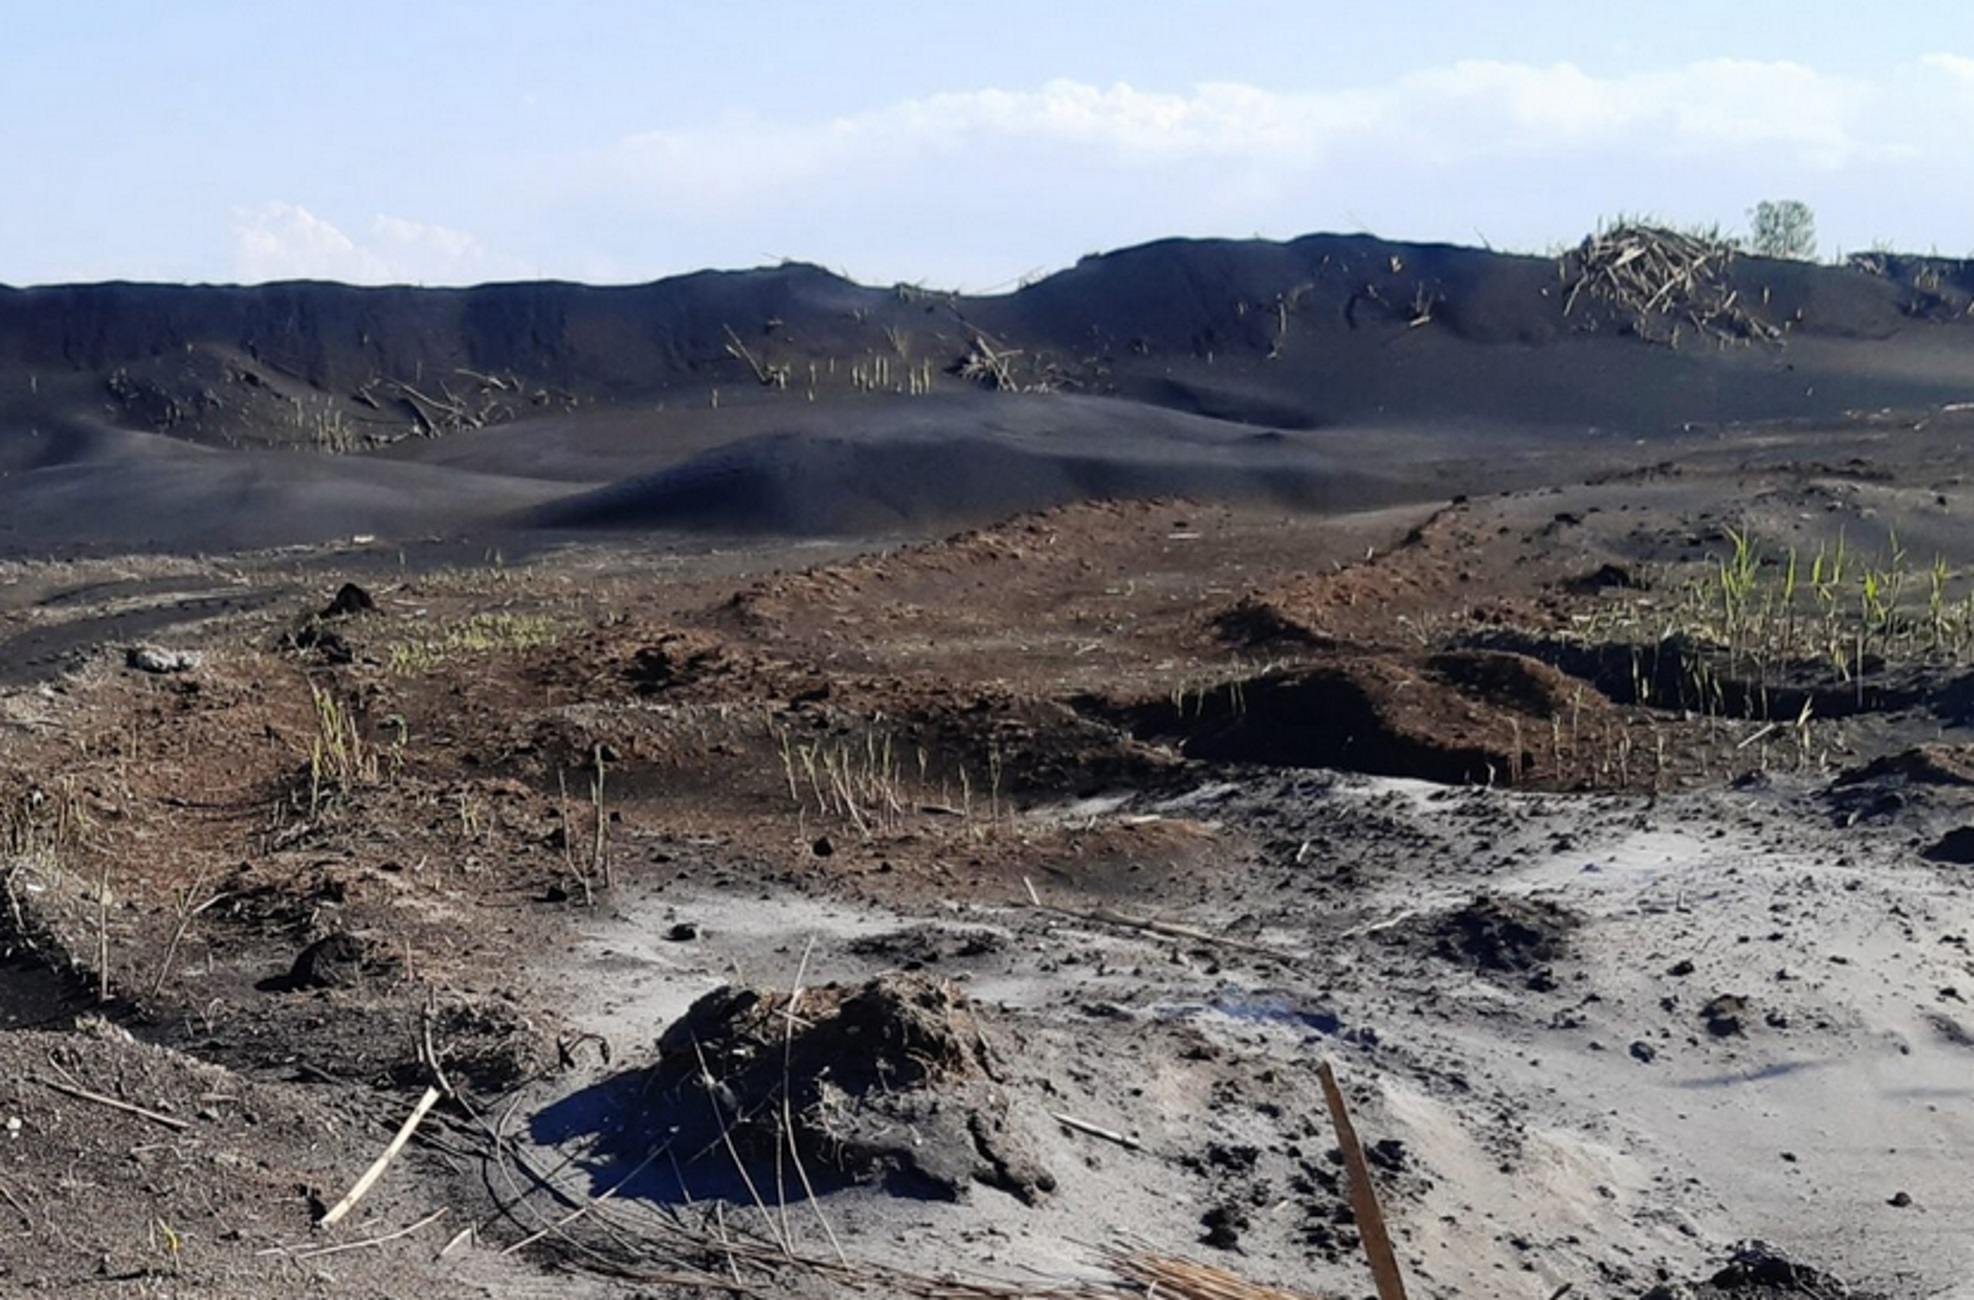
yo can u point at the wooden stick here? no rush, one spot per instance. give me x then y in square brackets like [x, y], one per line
[788, 1114]
[103, 936]
[1372, 927]
[83, 1094]
[1765, 731]
[1363, 1197]
[586, 1206]
[7, 1193]
[425, 1019]
[1124, 1140]
[317, 1252]
[1167, 929]
[186, 915]
[738, 351]
[383, 1162]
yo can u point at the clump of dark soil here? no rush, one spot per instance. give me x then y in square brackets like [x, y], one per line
[483, 1043]
[333, 962]
[1932, 765]
[315, 638]
[1725, 1016]
[1758, 1271]
[348, 601]
[324, 644]
[891, 1081]
[1511, 936]
[1940, 776]
[677, 659]
[920, 946]
[1609, 577]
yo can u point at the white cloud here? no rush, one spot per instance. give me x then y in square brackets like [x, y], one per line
[974, 187]
[1714, 107]
[1956, 66]
[285, 241]
[1719, 107]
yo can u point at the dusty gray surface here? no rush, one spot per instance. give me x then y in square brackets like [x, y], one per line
[1591, 1130]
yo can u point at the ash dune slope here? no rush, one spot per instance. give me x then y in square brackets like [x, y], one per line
[969, 457]
[792, 400]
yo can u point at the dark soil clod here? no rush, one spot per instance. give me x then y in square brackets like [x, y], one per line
[334, 962]
[891, 1081]
[1758, 1271]
[1725, 1016]
[1518, 936]
[1224, 1224]
[349, 600]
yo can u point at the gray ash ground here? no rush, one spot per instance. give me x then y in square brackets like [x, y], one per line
[1590, 1041]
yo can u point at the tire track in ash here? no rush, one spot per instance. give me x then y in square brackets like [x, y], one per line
[43, 653]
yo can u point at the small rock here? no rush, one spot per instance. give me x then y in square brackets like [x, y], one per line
[1644, 1052]
[1900, 1200]
[682, 932]
[154, 659]
[822, 848]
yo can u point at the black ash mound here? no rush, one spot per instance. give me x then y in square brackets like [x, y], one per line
[966, 460]
[791, 400]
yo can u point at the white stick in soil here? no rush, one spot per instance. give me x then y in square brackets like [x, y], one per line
[383, 1162]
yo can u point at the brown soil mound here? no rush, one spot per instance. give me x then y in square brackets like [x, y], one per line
[890, 1081]
[1459, 717]
[1257, 621]
[681, 658]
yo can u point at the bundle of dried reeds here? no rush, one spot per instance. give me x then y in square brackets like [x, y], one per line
[1185, 1279]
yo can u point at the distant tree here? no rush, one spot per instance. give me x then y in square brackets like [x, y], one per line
[1783, 228]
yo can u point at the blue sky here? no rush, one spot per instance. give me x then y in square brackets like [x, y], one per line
[961, 145]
